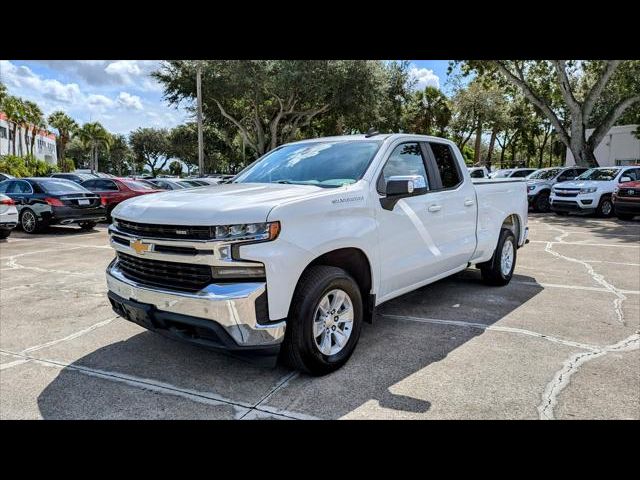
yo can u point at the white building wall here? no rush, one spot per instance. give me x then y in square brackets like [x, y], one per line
[44, 147]
[618, 147]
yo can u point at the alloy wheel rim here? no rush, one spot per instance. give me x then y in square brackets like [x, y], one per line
[28, 221]
[506, 261]
[606, 207]
[333, 322]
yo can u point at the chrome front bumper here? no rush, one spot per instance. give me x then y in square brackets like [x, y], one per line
[231, 306]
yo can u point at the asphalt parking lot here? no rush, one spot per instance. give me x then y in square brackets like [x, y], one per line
[561, 341]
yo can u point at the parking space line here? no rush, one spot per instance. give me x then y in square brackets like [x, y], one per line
[11, 257]
[616, 245]
[575, 287]
[241, 408]
[494, 328]
[77, 334]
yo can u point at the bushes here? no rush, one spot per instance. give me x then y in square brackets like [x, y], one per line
[68, 165]
[25, 166]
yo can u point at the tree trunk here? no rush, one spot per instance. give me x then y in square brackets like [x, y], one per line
[476, 154]
[514, 145]
[502, 155]
[494, 134]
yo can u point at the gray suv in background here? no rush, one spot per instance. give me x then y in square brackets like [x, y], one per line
[539, 184]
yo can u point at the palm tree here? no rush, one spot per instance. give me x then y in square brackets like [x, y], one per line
[34, 122]
[94, 136]
[66, 127]
[14, 109]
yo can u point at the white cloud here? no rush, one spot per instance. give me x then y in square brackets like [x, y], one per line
[129, 101]
[100, 101]
[423, 78]
[124, 71]
[22, 77]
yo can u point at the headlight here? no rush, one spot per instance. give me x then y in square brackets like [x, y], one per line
[588, 190]
[616, 189]
[250, 232]
[531, 188]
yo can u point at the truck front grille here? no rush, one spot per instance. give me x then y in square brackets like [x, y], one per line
[181, 232]
[567, 193]
[170, 275]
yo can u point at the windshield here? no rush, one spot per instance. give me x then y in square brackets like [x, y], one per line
[545, 174]
[324, 164]
[59, 185]
[602, 174]
[501, 174]
[137, 185]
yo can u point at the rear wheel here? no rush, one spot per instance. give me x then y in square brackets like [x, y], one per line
[605, 207]
[324, 322]
[87, 225]
[541, 202]
[499, 270]
[29, 222]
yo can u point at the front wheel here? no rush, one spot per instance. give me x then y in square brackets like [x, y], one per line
[324, 322]
[541, 203]
[499, 270]
[605, 207]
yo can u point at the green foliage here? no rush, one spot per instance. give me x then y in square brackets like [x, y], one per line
[68, 165]
[27, 166]
[151, 147]
[14, 165]
[175, 168]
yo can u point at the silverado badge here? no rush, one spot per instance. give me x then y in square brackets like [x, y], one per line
[141, 247]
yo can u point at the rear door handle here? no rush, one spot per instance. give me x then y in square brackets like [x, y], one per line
[468, 203]
[435, 208]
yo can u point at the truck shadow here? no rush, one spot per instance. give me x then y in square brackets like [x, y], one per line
[397, 345]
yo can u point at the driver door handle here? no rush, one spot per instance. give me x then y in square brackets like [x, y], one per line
[468, 202]
[434, 208]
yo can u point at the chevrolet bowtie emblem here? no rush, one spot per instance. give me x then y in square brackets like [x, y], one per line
[141, 247]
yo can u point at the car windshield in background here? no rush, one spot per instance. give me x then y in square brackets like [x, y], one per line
[136, 185]
[324, 164]
[603, 174]
[59, 185]
[501, 174]
[545, 174]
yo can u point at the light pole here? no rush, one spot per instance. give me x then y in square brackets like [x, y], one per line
[200, 139]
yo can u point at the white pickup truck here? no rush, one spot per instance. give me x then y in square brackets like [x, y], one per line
[295, 253]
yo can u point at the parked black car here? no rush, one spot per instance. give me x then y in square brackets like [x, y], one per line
[74, 177]
[49, 201]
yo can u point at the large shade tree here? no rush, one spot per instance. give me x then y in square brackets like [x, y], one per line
[270, 102]
[151, 147]
[567, 94]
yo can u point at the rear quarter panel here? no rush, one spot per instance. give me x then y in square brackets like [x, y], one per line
[497, 200]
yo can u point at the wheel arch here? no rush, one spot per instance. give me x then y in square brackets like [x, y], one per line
[357, 264]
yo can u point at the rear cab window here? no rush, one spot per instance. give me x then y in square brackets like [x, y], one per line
[446, 164]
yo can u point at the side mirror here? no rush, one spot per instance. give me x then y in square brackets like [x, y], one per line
[625, 179]
[404, 184]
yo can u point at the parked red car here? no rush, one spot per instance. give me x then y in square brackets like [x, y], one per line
[115, 190]
[626, 200]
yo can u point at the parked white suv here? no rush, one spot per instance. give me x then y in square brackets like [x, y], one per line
[512, 172]
[591, 192]
[307, 241]
[8, 216]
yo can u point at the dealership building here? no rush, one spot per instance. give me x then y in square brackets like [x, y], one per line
[619, 147]
[44, 147]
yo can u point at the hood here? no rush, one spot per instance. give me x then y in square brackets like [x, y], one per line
[579, 184]
[631, 184]
[538, 181]
[216, 205]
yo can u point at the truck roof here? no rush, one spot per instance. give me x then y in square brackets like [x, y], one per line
[363, 137]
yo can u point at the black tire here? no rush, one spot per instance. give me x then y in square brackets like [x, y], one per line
[299, 349]
[87, 225]
[29, 221]
[625, 216]
[541, 202]
[492, 270]
[605, 207]
[562, 214]
[4, 233]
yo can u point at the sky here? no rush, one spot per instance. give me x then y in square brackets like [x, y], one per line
[121, 95]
